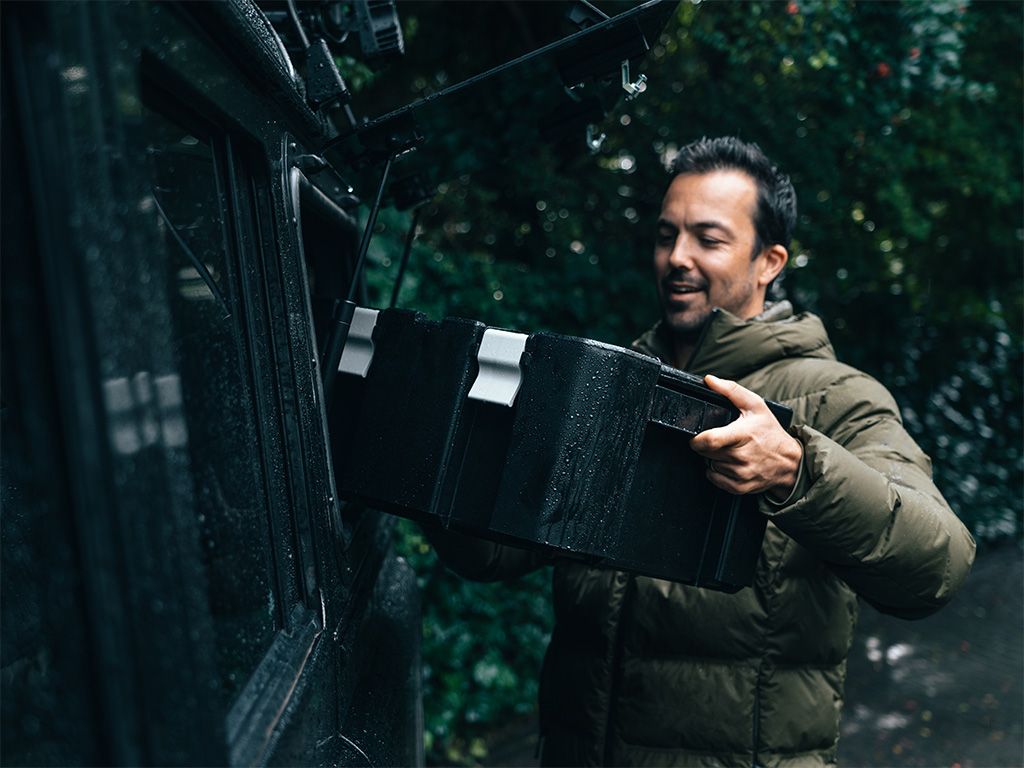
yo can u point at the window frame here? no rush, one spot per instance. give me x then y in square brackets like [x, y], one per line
[246, 193]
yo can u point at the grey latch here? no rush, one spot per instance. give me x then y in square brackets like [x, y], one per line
[500, 376]
[358, 353]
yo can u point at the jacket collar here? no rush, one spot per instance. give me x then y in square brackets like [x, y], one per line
[732, 348]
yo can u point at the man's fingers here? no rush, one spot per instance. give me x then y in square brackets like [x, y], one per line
[718, 439]
[726, 483]
[739, 396]
[730, 471]
[751, 453]
[719, 481]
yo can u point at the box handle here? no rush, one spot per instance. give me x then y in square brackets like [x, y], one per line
[358, 352]
[687, 414]
[500, 375]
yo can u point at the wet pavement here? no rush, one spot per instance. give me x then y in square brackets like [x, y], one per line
[947, 690]
[943, 691]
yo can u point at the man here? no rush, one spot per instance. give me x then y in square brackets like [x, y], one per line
[641, 671]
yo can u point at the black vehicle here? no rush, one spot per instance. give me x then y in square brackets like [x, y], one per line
[181, 583]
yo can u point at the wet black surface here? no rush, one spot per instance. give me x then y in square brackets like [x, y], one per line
[588, 462]
[177, 588]
[944, 691]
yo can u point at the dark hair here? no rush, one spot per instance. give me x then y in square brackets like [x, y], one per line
[776, 199]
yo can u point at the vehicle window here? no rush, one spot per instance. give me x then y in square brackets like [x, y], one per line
[217, 392]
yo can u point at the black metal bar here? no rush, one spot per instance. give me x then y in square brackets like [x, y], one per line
[298, 25]
[344, 310]
[409, 238]
[201, 269]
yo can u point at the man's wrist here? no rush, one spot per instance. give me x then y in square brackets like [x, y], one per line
[782, 493]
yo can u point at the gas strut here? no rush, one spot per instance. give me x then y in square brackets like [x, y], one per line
[341, 317]
[409, 237]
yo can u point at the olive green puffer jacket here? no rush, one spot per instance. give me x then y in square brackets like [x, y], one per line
[642, 671]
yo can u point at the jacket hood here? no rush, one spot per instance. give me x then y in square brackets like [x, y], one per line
[732, 348]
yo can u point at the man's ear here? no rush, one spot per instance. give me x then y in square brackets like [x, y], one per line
[773, 261]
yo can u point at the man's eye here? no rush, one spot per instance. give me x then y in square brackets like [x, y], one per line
[665, 239]
[709, 242]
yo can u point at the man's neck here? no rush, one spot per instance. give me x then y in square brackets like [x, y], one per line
[685, 344]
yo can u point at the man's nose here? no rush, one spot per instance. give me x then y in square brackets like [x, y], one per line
[681, 256]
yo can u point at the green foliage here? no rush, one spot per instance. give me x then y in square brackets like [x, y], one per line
[482, 650]
[900, 125]
[357, 75]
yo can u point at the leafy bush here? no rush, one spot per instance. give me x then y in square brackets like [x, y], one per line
[482, 650]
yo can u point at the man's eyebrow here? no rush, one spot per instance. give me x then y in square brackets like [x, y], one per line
[711, 224]
[666, 224]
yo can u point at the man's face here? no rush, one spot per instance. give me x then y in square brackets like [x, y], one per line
[702, 254]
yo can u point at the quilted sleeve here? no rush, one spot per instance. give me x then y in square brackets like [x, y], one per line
[868, 507]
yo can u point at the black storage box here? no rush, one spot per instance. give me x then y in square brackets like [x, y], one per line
[549, 441]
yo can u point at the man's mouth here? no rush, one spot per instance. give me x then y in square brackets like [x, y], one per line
[673, 290]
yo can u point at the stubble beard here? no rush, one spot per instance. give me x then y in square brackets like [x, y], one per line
[686, 327]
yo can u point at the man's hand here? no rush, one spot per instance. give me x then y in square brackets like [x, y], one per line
[753, 454]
